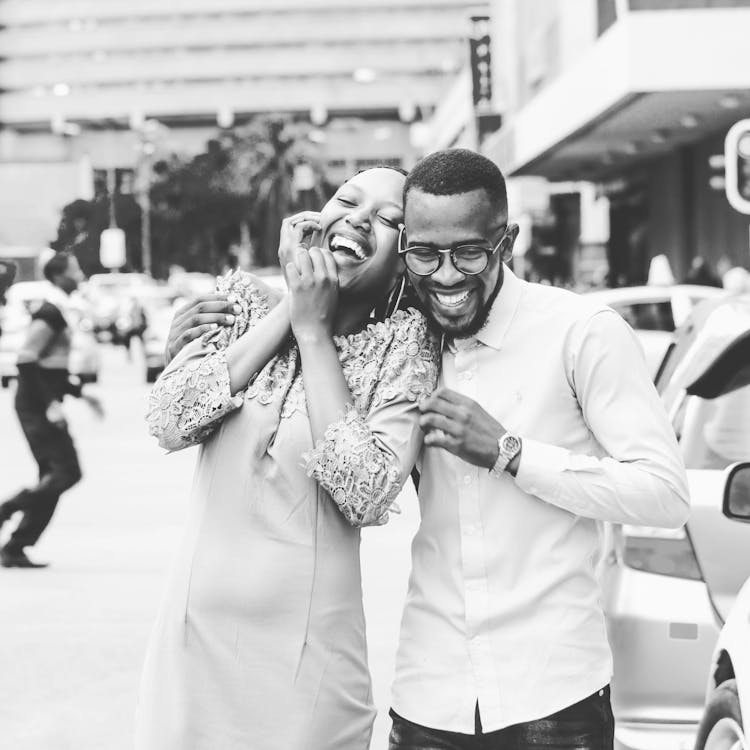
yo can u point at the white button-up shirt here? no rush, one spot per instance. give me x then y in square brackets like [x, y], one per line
[503, 606]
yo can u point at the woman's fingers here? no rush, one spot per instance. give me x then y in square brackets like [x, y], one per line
[304, 228]
[332, 269]
[303, 263]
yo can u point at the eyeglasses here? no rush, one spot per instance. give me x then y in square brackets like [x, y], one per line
[470, 259]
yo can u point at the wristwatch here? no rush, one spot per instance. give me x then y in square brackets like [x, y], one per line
[508, 446]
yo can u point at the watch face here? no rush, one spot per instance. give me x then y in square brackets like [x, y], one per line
[511, 445]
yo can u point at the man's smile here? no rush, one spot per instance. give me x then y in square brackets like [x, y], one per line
[452, 302]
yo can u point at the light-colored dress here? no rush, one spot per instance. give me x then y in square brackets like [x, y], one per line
[260, 640]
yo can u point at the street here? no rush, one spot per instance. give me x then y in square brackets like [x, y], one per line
[72, 636]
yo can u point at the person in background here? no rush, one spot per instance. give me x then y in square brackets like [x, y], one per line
[7, 275]
[43, 381]
[701, 273]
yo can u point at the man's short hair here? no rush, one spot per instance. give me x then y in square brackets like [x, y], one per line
[455, 171]
[56, 265]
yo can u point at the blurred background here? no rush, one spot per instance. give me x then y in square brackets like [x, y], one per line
[163, 143]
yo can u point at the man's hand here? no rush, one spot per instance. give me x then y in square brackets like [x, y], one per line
[94, 403]
[55, 414]
[461, 426]
[197, 317]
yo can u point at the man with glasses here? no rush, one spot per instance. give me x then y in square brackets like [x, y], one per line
[544, 425]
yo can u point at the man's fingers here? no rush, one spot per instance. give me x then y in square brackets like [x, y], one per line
[213, 297]
[435, 404]
[199, 307]
[440, 439]
[434, 421]
[193, 333]
[451, 397]
[215, 318]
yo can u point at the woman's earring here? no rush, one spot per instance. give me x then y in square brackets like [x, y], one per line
[395, 297]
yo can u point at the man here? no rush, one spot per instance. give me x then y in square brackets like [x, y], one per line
[43, 380]
[545, 424]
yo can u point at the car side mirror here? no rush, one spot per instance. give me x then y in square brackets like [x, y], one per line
[737, 492]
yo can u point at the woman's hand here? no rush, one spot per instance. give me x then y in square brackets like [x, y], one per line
[313, 293]
[302, 229]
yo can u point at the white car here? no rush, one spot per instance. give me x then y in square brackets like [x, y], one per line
[726, 717]
[654, 312]
[667, 593]
[85, 358]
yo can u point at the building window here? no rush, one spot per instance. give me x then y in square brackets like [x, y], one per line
[684, 4]
[124, 180]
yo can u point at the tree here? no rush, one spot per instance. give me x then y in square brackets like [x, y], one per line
[244, 179]
[202, 208]
[82, 223]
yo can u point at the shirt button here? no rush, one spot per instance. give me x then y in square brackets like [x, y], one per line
[467, 479]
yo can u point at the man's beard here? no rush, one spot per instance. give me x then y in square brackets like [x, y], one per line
[476, 323]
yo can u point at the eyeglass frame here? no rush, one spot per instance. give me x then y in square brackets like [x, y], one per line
[489, 252]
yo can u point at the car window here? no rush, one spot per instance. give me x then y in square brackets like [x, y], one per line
[647, 316]
[715, 433]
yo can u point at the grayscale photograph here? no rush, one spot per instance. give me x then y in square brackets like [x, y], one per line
[375, 375]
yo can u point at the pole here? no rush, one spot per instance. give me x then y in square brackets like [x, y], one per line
[144, 199]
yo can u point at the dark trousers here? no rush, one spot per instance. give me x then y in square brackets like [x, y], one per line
[56, 457]
[586, 725]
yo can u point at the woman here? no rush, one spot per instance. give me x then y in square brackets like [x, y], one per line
[260, 642]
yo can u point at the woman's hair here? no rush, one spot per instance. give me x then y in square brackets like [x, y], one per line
[383, 166]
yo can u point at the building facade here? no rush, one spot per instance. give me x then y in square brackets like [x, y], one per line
[634, 98]
[78, 81]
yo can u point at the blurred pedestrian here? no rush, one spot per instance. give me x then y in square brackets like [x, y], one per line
[43, 381]
[7, 275]
[701, 273]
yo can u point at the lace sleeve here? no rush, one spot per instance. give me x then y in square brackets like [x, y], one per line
[362, 462]
[187, 404]
[192, 395]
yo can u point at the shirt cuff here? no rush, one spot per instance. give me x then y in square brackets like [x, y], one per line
[540, 467]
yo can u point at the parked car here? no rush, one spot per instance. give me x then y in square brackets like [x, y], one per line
[160, 307]
[726, 717]
[117, 313]
[85, 358]
[667, 593]
[654, 312]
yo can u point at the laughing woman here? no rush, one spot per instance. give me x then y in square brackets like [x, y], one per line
[306, 411]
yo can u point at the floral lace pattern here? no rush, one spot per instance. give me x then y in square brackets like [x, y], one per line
[388, 361]
[361, 478]
[187, 404]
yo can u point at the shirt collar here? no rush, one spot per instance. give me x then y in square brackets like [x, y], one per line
[501, 313]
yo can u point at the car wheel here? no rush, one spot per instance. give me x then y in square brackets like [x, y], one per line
[721, 725]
